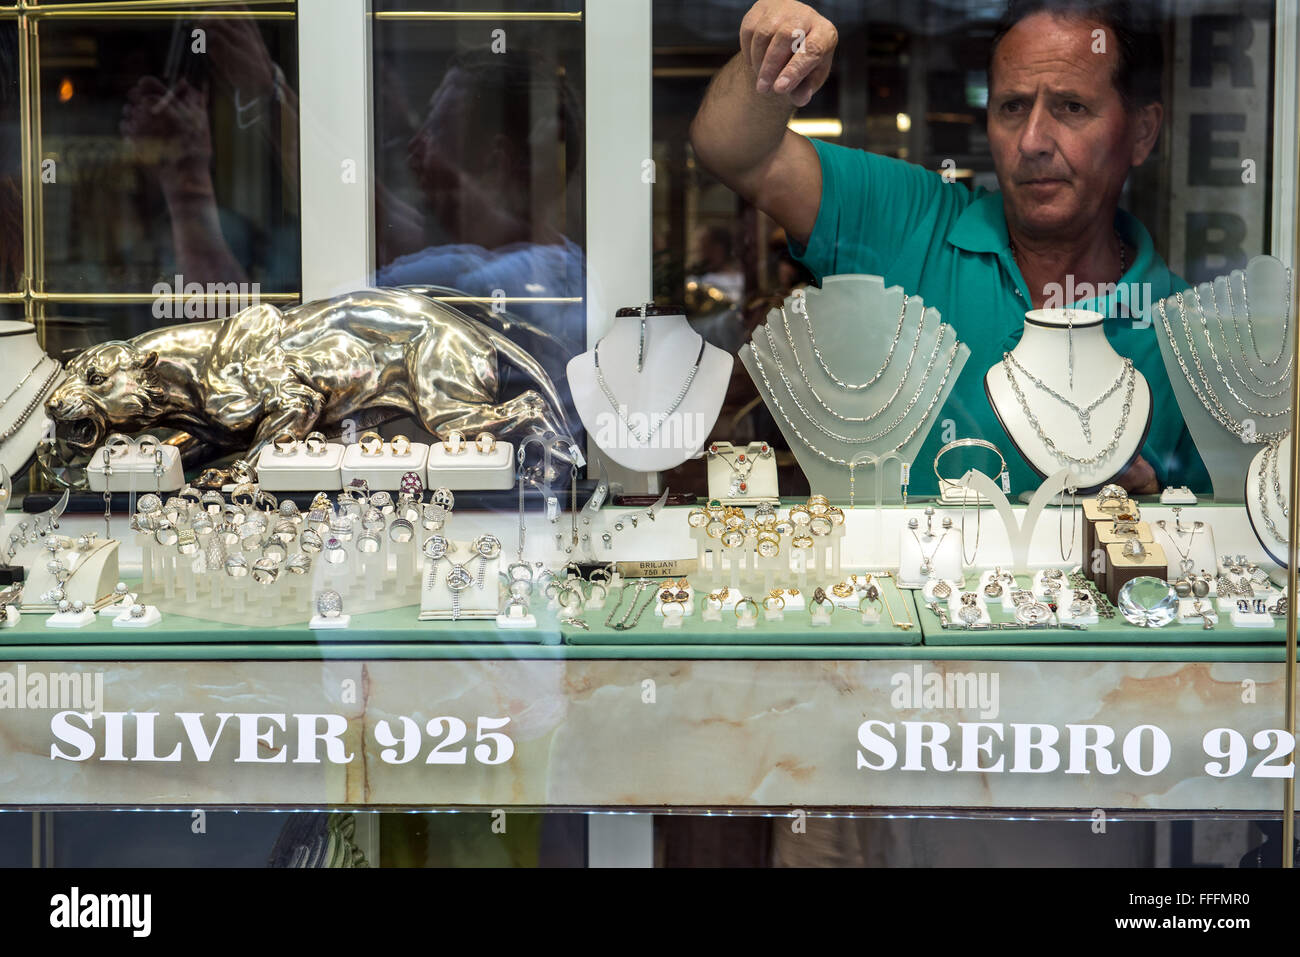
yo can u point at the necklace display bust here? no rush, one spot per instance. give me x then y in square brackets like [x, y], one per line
[1095, 427]
[623, 409]
[30, 376]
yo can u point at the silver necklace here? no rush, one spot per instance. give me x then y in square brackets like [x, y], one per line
[835, 460]
[1286, 321]
[1214, 357]
[927, 562]
[1269, 450]
[23, 381]
[664, 417]
[847, 440]
[1185, 563]
[1084, 414]
[1046, 439]
[31, 406]
[1283, 379]
[851, 386]
[1210, 403]
[1277, 484]
[771, 341]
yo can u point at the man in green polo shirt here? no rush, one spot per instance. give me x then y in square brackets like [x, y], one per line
[1073, 105]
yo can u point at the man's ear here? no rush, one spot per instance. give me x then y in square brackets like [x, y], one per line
[1146, 130]
[149, 361]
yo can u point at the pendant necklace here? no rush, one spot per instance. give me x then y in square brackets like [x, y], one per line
[742, 465]
[1084, 414]
[664, 417]
[1128, 372]
[1185, 563]
[927, 562]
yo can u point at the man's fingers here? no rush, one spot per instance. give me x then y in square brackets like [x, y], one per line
[811, 57]
[775, 61]
[803, 93]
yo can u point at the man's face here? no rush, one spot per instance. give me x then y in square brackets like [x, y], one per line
[1062, 141]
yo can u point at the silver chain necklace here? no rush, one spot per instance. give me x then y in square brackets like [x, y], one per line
[1286, 321]
[847, 440]
[771, 341]
[1270, 450]
[1046, 439]
[851, 386]
[23, 381]
[927, 564]
[1084, 414]
[1214, 357]
[31, 406]
[1284, 378]
[835, 460]
[664, 417]
[1210, 403]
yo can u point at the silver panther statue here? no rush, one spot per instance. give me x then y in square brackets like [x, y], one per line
[234, 384]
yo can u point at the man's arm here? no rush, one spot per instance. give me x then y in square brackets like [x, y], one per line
[740, 132]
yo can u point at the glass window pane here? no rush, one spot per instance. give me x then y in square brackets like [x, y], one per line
[479, 164]
[174, 149]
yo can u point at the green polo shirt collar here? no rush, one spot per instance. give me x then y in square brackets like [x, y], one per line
[982, 228]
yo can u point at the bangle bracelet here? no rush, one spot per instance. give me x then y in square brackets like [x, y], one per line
[965, 444]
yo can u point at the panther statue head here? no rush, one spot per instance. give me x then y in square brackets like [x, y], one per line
[111, 387]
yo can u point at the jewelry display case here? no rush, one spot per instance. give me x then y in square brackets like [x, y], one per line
[454, 467]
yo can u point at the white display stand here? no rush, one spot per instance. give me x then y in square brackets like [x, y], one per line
[93, 570]
[151, 617]
[1215, 316]
[517, 618]
[133, 472]
[385, 470]
[12, 617]
[21, 353]
[760, 482]
[1276, 550]
[300, 472]
[475, 603]
[670, 351]
[1020, 533]
[1199, 547]
[70, 619]
[321, 623]
[1187, 615]
[946, 562]
[471, 469]
[1043, 351]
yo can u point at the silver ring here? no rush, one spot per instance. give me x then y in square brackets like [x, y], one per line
[299, 564]
[329, 604]
[335, 553]
[275, 552]
[368, 543]
[401, 531]
[137, 611]
[236, 566]
[165, 533]
[265, 571]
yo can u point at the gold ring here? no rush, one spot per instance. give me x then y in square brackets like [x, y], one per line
[401, 445]
[836, 514]
[742, 603]
[774, 598]
[286, 443]
[697, 518]
[491, 443]
[454, 443]
[802, 541]
[803, 512]
[371, 443]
